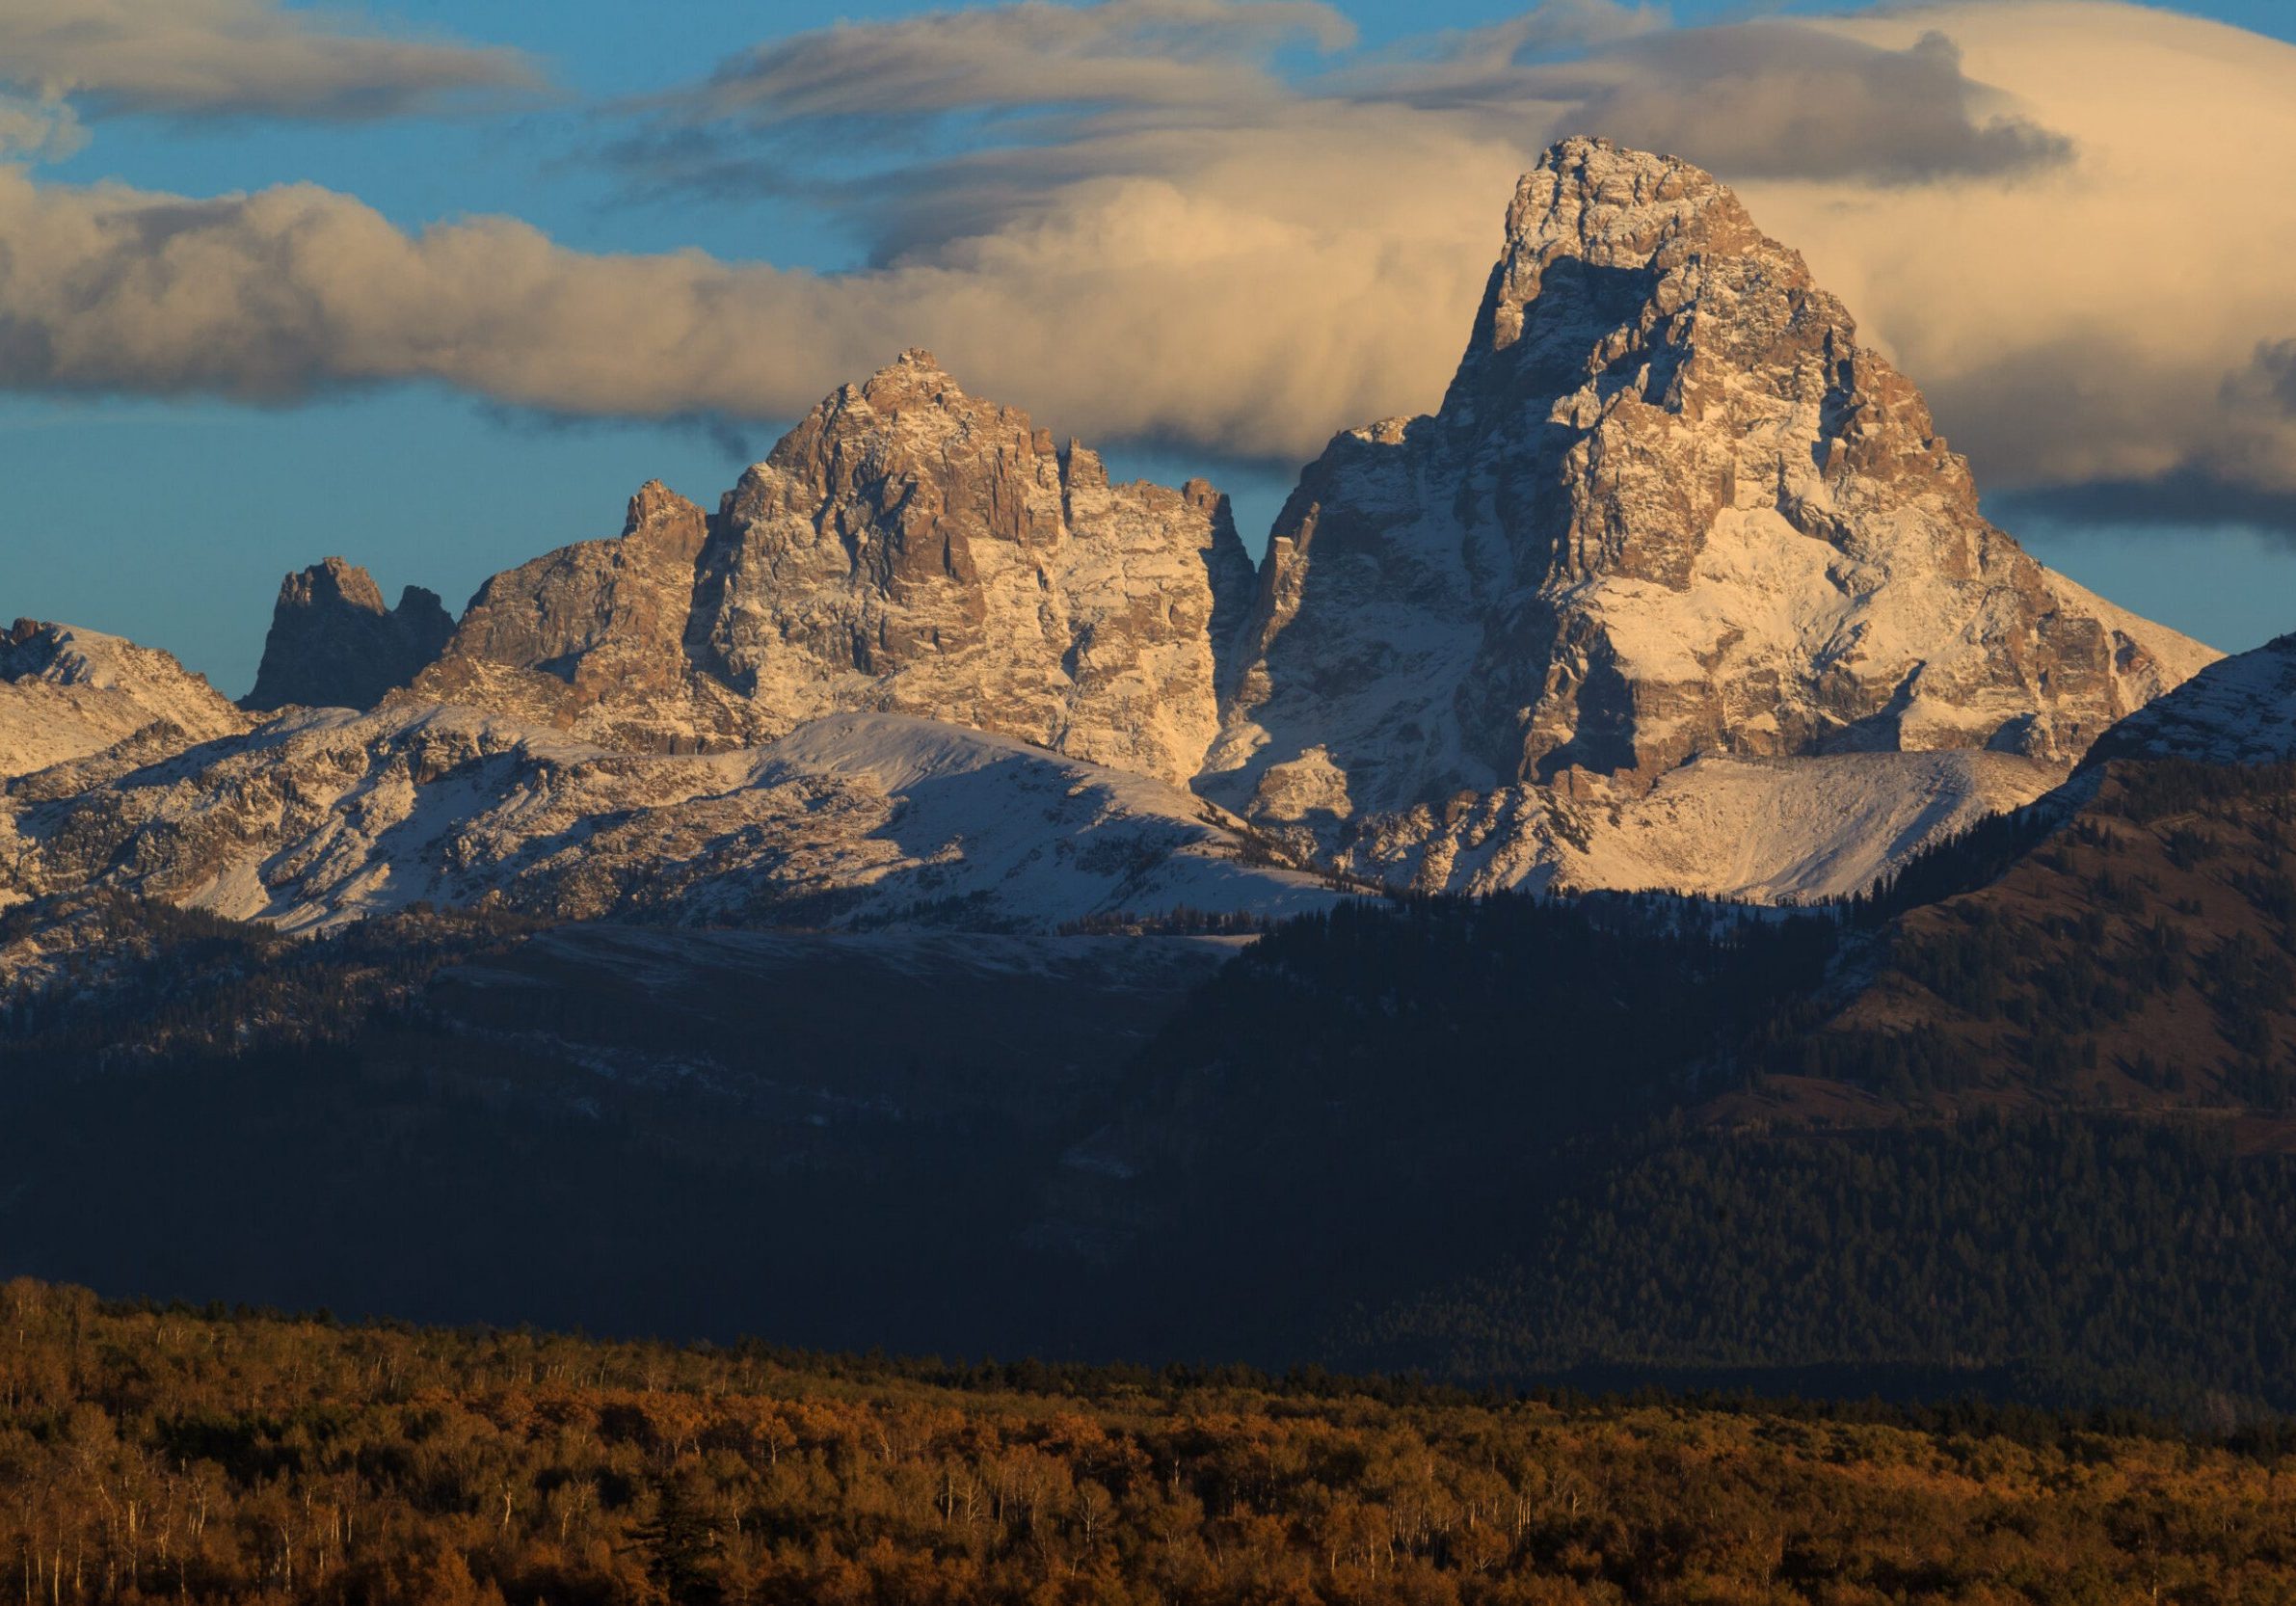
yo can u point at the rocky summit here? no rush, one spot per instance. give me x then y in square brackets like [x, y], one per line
[1670, 514]
[332, 643]
[907, 549]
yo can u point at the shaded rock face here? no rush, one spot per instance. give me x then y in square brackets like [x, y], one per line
[907, 549]
[334, 644]
[1668, 509]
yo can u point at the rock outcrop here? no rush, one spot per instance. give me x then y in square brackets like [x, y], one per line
[67, 693]
[1668, 510]
[907, 549]
[334, 644]
[591, 638]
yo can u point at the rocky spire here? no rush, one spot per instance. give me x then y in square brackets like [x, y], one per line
[334, 644]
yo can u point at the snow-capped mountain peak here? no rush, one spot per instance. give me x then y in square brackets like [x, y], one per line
[1669, 510]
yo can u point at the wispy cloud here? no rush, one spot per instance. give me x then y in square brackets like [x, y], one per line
[1760, 99]
[235, 58]
[1160, 53]
[39, 130]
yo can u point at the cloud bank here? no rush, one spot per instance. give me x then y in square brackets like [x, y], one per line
[233, 58]
[2068, 221]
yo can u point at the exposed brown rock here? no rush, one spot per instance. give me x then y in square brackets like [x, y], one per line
[590, 637]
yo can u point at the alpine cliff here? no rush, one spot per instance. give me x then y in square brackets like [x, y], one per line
[1670, 524]
[332, 643]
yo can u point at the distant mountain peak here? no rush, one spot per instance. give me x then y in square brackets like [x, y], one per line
[1669, 510]
[1601, 206]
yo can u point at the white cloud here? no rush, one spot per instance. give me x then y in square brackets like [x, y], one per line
[39, 130]
[2082, 323]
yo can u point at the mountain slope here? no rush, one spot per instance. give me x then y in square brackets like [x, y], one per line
[1670, 509]
[67, 693]
[2129, 940]
[324, 817]
[2127, 944]
[2239, 710]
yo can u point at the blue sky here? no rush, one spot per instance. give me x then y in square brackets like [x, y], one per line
[170, 516]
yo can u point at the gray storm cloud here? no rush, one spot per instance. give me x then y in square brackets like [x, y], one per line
[2032, 207]
[233, 57]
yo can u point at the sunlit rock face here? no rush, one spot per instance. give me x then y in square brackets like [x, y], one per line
[907, 549]
[1669, 511]
[66, 694]
[334, 644]
[591, 638]
[911, 549]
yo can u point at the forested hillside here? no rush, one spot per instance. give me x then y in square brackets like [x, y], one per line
[2015, 1126]
[153, 1453]
[2142, 955]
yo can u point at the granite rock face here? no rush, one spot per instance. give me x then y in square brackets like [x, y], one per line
[590, 638]
[1668, 510]
[914, 549]
[334, 644]
[907, 549]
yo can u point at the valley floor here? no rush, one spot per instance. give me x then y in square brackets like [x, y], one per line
[170, 1454]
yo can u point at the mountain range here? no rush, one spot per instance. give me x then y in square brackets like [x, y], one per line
[1678, 588]
[1638, 799]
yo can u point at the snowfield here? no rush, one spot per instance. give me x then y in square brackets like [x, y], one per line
[854, 821]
